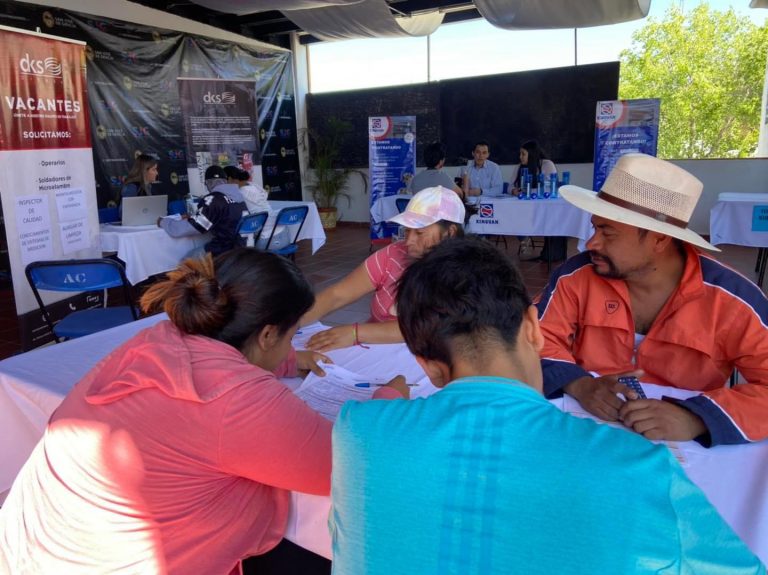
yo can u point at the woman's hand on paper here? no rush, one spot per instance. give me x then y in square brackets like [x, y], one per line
[309, 361]
[334, 338]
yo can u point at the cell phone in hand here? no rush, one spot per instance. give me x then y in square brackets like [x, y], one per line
[632, 383]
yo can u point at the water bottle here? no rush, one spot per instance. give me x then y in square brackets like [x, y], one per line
[553, 185]
[566, 178]
[547, 187]
[523, 178]
[191, 204]
[538, 191]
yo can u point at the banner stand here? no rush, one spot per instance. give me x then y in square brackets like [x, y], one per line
[392, 162]
[623, 127]
[47, 181]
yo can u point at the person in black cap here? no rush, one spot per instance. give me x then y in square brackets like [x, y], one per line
[218, 213]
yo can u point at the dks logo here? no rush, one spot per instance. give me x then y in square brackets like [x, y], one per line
[223, 98]
[47, 67]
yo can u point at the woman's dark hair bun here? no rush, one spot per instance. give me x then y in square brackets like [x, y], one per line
[192, 298]
[232, 297]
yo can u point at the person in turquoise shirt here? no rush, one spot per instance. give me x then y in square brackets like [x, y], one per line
[486, 476]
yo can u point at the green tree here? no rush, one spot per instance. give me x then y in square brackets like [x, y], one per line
[708, 68]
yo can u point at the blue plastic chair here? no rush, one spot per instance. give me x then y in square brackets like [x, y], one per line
[401, 204]
[251, 226]
[177, 207]
[293, 219]
[109, 215]
[82, 276]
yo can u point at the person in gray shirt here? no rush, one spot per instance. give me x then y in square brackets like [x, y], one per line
[434, 159]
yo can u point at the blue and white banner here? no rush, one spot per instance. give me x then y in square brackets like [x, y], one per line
[623, 127]
[392, 161]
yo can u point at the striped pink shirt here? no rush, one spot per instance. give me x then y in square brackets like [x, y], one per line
[385, 268]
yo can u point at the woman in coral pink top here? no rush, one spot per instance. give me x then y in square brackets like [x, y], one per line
[432, 215]
[177, 452]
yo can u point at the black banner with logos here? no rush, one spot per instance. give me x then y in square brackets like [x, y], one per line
[134, 102]
[220, 125]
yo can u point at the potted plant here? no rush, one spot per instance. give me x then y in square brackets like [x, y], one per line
[328, 181]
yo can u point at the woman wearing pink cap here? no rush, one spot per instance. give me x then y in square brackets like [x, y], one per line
[431, 216]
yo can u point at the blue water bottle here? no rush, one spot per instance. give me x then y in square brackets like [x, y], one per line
[538, 191]
[523, 179]
[553, 185]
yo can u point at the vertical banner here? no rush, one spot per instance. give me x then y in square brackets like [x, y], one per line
[47, 182]
[221, 127]
[392, 161]
[623, 127]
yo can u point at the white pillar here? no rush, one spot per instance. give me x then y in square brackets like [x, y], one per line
[301, 89]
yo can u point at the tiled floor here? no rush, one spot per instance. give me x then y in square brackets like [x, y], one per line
[346, 248]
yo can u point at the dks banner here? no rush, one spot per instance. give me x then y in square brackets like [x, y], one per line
[221, 124]
[622, 127]
[392, 161]
[47, 182]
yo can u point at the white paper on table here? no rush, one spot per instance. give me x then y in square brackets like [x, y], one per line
[327, 394]
[682, 452]
[303, 334]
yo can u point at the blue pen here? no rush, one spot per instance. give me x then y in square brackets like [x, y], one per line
[379, 384]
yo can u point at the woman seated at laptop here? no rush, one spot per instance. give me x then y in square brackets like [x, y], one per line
[431, 216]
[141, 177]
[177, 453]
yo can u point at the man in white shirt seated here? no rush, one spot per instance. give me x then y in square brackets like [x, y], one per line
[482, 175]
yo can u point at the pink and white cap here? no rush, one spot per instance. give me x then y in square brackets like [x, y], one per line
[429, 206]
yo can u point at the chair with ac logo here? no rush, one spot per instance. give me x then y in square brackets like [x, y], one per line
[90, 275]
[289, 221]
[250, 227]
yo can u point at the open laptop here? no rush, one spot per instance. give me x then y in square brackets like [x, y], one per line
[144, 210]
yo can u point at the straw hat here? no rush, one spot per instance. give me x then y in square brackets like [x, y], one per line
[647, 193]
[429, 206]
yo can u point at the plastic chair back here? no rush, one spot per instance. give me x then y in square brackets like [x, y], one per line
[292, 219]
[81, 276]
[109, 215]
[251, 226]
[401, 204]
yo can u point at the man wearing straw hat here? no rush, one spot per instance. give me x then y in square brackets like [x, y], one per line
[642, 300]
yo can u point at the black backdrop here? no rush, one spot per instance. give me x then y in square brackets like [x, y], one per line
[134, 102]
[554, 106]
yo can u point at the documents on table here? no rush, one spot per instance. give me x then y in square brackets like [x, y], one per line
[327, 394]
[303, 334]
[681, 451]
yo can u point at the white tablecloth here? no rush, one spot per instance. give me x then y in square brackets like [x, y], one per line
[513, 217]
[149, 250]
[385, 207]
[33, 384]
[730, 220]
